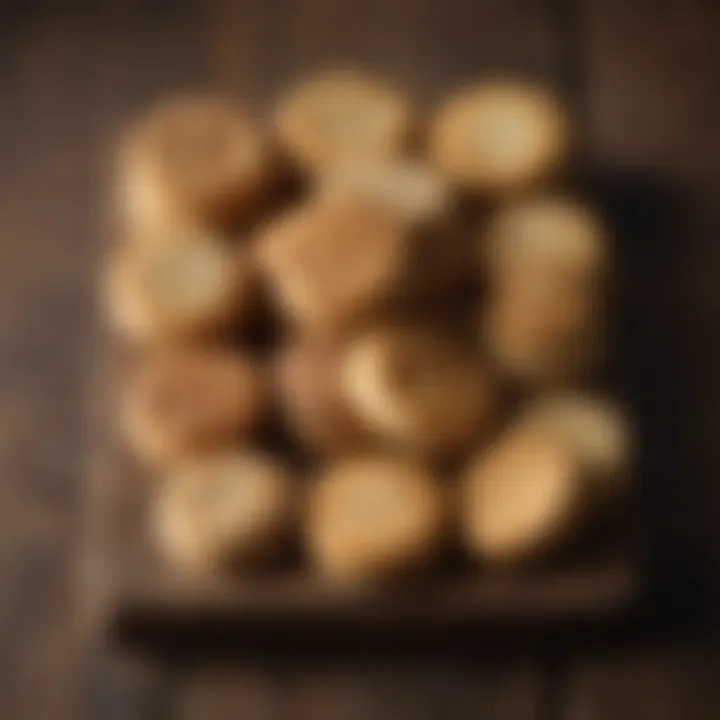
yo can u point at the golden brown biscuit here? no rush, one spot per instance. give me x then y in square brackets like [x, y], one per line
[229, 510]
[186, 287]
[340, 118]
[541, 334]
[331, 264]
[309, 387]
[547, 261]
[374, 519]
[522, 498]
[183, 402]
[549, 237]
[439, 257]
[193, 159]
[498, 137]
[418, 389]
[597, 430]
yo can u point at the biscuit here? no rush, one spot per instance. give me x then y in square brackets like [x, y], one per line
[597, 430]
[374, 520]
[418, 389]
[341, 118]
[179, 403]
[541, 335]
[200, 160]
[522, 498]
[439, 257]
[550, 236]
[333, 264]
[187, 287]
[499, 137]
[229, 510]
[308, 376]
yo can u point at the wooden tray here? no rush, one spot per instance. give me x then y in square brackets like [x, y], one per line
[129, 588]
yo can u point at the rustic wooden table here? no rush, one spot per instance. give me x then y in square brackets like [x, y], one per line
[642, 77]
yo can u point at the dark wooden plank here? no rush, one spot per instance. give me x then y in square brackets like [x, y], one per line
[650, 121]
[120, 686]
[416, 690]
[64, 89]
[361, 689]
[676, 683]
[647, 94]
[44, 274]
[258, 48]
[225, 692]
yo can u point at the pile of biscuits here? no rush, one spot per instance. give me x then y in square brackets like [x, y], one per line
[361, 333]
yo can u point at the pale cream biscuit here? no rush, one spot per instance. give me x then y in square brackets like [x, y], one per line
[418, 389]
[311, 400]
[229, 510]
[331, 264]
[341, 118]
[182, 402]
[193, 159]
[522, 498]
[190, 286]
[374, 519]
[499, 137]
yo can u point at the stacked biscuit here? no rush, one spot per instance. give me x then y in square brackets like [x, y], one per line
[398, 307]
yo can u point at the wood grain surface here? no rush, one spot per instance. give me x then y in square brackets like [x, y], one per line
[643, 75]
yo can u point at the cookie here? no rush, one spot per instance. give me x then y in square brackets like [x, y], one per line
[521, 499]
[332, 264]
[597, 430]
[229, 510]
[341, 118]
[498, 137]
[311, 400]
[439, 256]
[551, 237]
[187, 287]
[179, 403]
[540, 334]
[374, 520]
[201, 160]
[424, 392]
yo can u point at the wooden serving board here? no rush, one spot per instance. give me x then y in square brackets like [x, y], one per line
[130, 589]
